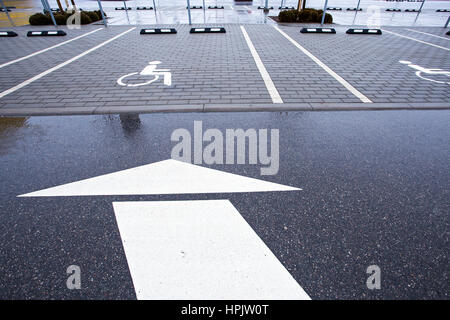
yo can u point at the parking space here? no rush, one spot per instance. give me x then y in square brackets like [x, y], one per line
[371, 64]
[296, 76]
[17, 47]
[34, 55]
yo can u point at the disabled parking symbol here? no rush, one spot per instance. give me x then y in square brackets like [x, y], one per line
[425, 73]
[149, 71]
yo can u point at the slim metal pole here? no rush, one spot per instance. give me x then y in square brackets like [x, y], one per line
[324, 12]
[51, 13]
[421, 6]
[357, 8]
[154, 5]
[204, 7]
[101, 11]
[267, 4]
[7, 14]
[126, 11]
[189, 11]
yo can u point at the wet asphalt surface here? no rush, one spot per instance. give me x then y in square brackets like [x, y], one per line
[375, 191]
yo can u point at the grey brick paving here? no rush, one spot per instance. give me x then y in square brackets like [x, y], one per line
[370, 63]
[209, 69]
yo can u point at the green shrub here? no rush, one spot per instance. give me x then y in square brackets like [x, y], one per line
[306, 16]
[40, 19]
[93, 15]
[288, 16]
[61, 18]
[100, 14]
[85, 19]
[328, 18]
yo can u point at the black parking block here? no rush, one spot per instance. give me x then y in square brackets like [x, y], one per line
[318, 30]
[54, 33]
[8, 34]
[158, 31]
[208, 30]
[364, 31]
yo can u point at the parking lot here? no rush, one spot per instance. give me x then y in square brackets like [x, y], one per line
[207, 70]
[101, 174]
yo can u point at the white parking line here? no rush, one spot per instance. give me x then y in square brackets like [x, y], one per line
[59, 66]
[417, 40]
[199, 250]
[342, 81]
[273, 92]
[47, 49]
[428, 34]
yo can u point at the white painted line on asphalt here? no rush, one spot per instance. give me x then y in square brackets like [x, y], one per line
[273, 92]
[342, 81]
[199, 250]
[163, 177]
[47, 49]
[417, 40]
[428, 34]
[59, 66]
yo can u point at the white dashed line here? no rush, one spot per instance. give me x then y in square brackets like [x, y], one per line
[47, 49]
[342, 81]
[273, 92]
[59, 66]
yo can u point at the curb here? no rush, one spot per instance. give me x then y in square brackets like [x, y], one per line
[9, 112]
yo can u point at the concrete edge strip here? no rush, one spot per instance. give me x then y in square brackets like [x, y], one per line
[337, 77]
[222, 108]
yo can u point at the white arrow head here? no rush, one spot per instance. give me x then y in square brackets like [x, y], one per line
[163, 177]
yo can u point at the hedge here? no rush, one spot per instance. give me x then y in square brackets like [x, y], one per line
[305, 15]
[86, 17]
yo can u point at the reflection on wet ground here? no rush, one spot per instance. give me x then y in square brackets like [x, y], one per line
[174, 11]
[10, 132]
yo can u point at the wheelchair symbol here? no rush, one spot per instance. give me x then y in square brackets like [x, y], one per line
[149, 70]
[423, 73]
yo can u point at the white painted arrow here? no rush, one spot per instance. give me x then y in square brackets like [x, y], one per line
[199, 250]
[189, 249]
[164, 177]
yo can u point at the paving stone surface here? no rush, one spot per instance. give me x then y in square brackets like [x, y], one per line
[209, 69]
